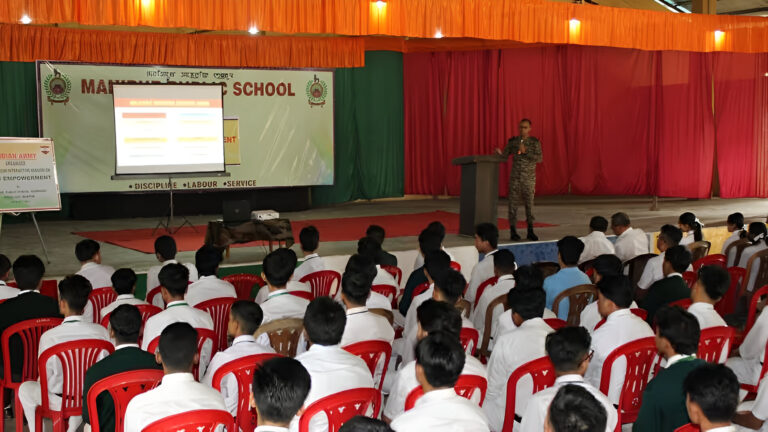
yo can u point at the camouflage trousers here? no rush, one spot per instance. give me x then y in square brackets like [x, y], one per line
[521, 192]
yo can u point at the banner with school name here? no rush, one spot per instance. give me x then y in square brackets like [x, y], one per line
[28, 175]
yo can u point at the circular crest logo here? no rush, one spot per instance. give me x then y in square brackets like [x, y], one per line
[317, 91]
[57, 87]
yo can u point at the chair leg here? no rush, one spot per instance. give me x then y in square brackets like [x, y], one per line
[38, 420]
[2, 405]
[18, 411]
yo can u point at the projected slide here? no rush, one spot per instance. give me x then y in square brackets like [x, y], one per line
[165, 129]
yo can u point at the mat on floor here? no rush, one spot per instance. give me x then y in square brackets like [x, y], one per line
[336, 229]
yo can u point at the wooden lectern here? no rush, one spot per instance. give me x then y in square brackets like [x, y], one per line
[479, 191]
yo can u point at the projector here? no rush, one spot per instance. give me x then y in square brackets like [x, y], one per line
[263, 215]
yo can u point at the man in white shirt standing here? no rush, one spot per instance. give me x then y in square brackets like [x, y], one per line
[165, 252]
[244, 318]
[486, 242]
[735, 226]
[124, 283]
[712, 395]
[89, 254]
[669, 236]
[595, 243]
[362, 325]
[280, 386]
[630, 242]
[6, 292]
[276, 270]
[208, 286]
[73, 296]
[309, 238]
[711, 285]
[503, 268]
[178, 392]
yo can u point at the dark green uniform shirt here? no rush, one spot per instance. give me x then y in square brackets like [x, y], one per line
[663, 292]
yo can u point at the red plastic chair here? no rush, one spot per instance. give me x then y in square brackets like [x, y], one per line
[395, 272]
[683, 303]
[688, 428]
[483, 285]
[690, 278]
[342, 406]
[641, 356]
[152, 294]
[420, 289]
[203, 335]
[122, 388]
[75, 357]
[146, 311]
[465, 387]
[323, 283]
[218, 309]
[198, 421]
[456, 266]
[541, 371]
[48, 288]
[243, 369]
[29, 333]
[713, 342]
[751, 313]
[469, 338]
[302, 294]
[556, 323]
[372, 352]
[640, 313]
[387, 291]
[727, 304]
[244, 283]
[714, 259]
[99, 298]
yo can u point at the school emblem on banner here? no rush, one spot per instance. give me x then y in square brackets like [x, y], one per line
[317, 91]
[57, 87]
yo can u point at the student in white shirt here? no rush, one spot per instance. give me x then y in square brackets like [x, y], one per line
[438, 229]
[689, 223]
[514, 349]
[332, 369]
[178, 392]
[712, 395]
[669, 236]
[208, 286]
[279, 388]
[748, 364]
[370, 248]
[124, 283]
[526, 278]
[752, 415]
[165, 252]
[486, 242]
[735, 226]
[6, 292]
[574, 408]
[439, 362]
[292, 285]
[276, 271]
[630, 242]
[604, 265]
[758, 235]
[364, 265]
[244, 319]
[595, 243]
[503, 268]
[621, 326]
[569, 350]
[362, 325]
[88, 253]
[73, 296]
[712, 284]
[309, 238]
[360, 423]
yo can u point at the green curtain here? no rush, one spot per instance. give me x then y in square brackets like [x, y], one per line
[18, 100]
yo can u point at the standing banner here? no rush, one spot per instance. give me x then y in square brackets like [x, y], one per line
[28, 175]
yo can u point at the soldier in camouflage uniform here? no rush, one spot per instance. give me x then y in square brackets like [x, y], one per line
[522, 178]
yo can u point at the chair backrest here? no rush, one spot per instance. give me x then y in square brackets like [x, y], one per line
[203, 336]
[469, 338]
[218, 309]
[757, 266]
[342, 406]
[242, 369]
[99, 298]
[736, 248]
[283, 334]
[547, 268]
[146, 311]
[690, 278]
[578, 298]
[395, 272]
[640, 313]
[306, 295]
[713, 342]
[323, 283]
[373, 353]
[556, 323]
[455, 266]
[714, 259]
[683, 303]
[197, 421]
[727, 304]
[634, 268]
[122, 387]
[688, 427]
[386, 313]
[465, 387]
[752, 311]
[75, 357]
[387, 291]
[500, 300]
[154, 292]
[542, 373]
[481, 288]
[699, 249]
[420, 289]
[244, 283]
[640, 355]
[28, 332]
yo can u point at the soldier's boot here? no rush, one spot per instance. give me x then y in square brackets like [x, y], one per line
[531, 236]
[513, 235]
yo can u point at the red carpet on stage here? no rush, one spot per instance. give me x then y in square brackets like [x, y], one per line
[337, 229]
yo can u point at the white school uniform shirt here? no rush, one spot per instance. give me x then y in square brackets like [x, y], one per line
[411, 327]
[501, 287]
[506, 324]
[631, 243]
[363, 325]
[688, 239]
[153, 274]
[706, 315]
[384, 277]
[512, 350]
[292, 285]
[735, 235]
[242, 346]
[419, 261]
[653, 271]
[177, 393]
[751, 352]
[267, 428]
[746, 254]
[405, 382]
[377, 301]
[758, 407]
[7, 292]
[208, 288]
[536, 413]
[99, 275]
[590, 316]
[621, 327]
[120, 300]
[442, 410]
[281, 304]
[312, 263]
[482, 271]
[595, 244]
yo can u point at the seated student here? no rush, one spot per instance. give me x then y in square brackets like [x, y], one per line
[569, 249]
[309, 238]
[434, 316]
[439, 362]
[672, 287]
[568, 349]
[437, 228]
[125, 327]
[178, 392]
[677, 339]
[279, 388]
[276, 271]
[486, 242]
[735, 226]
[378, 234]
[362, 325]
[124, 283]
[630, 242]
[6, 292]
[429, 241]
[367, 246]
[364, 424]
[244, 319]
[752, 415]
[621, 326]
[332, 369]
[748, 364]
[712, 394]
[208, 286]
[435, 264]
[689, 224]
[712, 284]
[604, 265]
[364, 265]
[98, 274]
[292, 285]
[669, 236]
[526, 278]
[514, 349]
[73, 296]
[575, 409]
[165, 252]
[504, 267]
[758, 235]
[595, 243]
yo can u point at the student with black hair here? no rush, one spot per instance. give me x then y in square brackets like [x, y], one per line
[124, 284]
[630, 242]
[277, 269]
[362, 325]
[604, 265]
[437, 228]
[569, 249]
[365, 266]
[124, 329]
[712, 395]
[711, 285]
[527, 277]
[6, 292]
[435, 264]
[165, 252]
[279, 388]
[758, 235]
[486, 243]
[429, 242]
[439, 362]
[596, 243]
[309, 238]
[504, 267]
[367, 246]
[575, 409]
[178, 392]
[88, 252]
[735, 226]
[512, 350]
[364, 424]
[614, 296]
[672, 287]
[293, 284]
[73, 296]
[568, 350]
[378, 234]
[689, 224]
[669, 236]
[677, 339]
[208, 286]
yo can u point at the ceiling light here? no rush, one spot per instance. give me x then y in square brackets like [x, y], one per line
[438, 34]
[25, 19]
[253, 30]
